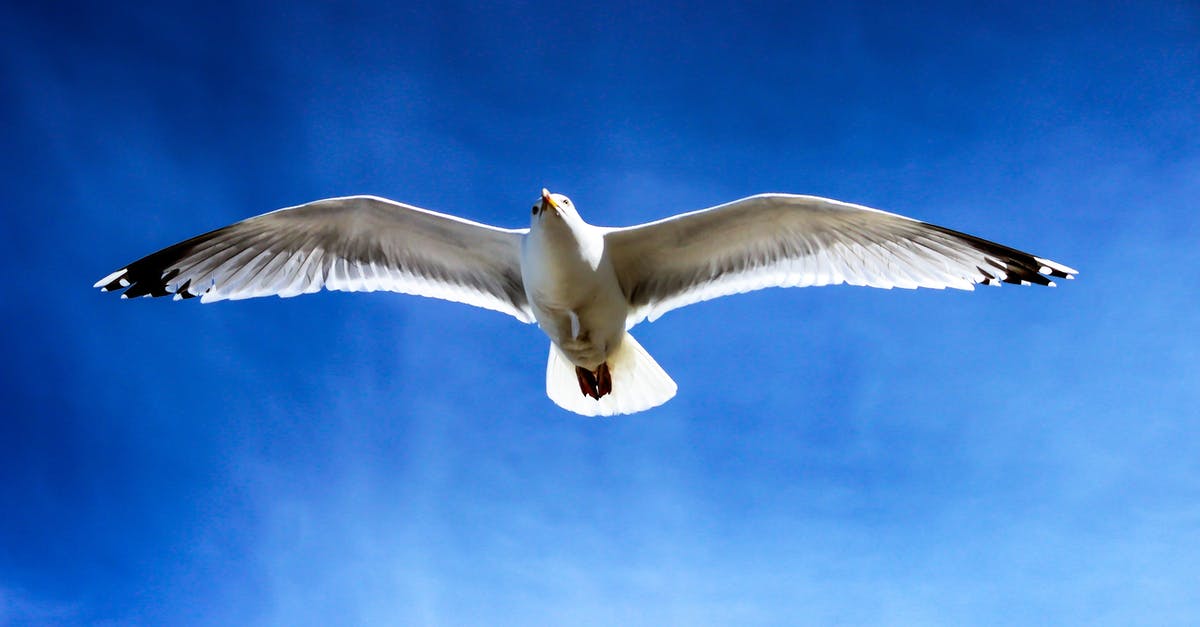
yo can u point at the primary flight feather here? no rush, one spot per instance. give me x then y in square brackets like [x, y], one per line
[584, 285]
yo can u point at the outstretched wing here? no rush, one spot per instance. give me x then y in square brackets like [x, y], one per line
[356, 243]
[784, 240]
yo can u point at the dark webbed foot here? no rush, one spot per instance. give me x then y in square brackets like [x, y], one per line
[594, 384]
[603, 380]
[587, 382]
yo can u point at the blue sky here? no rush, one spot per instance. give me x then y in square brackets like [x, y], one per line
[834, 455]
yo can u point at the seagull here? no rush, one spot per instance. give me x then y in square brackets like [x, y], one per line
[584, 285]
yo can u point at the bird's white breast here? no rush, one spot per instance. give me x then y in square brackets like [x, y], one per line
[573, 290]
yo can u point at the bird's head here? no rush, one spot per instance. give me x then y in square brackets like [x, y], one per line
[551, 206]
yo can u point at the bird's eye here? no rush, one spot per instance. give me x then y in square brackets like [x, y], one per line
[566, 201]
[535, 210]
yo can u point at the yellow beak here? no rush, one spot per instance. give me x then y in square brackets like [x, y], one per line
[547, 201]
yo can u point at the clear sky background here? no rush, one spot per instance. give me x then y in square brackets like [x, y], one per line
[835, 455]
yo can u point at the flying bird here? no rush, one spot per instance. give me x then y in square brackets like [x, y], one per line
[584, 285]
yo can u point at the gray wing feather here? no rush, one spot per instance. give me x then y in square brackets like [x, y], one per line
[356, 243]
[784, 240]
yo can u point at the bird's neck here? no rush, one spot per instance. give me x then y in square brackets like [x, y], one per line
[571, 238]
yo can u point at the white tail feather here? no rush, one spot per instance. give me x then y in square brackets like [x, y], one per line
[638, 382]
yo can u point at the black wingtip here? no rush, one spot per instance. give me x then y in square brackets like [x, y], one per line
[152, 275]
[1012, 265]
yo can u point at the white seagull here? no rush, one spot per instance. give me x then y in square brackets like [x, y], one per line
[584, 285]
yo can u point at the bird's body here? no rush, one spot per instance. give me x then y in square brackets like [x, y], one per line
[584, 285]
[572, 287]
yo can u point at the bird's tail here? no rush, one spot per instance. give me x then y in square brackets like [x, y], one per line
[638, 382]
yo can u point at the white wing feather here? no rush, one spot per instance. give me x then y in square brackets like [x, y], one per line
[356, 243]
[784, 240]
